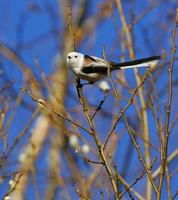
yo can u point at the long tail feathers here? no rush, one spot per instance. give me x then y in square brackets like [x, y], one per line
[144, 62]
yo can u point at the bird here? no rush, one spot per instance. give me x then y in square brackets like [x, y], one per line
[93, 69]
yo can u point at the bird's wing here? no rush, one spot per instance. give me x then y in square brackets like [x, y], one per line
[93, 65]
[89, 59]
[94, 69]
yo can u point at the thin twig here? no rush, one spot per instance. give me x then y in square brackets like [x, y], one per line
[168, 180]
[171, 157]
[80, 194]
[41, 102]
[144, 118]
[173, 123]
[71, 29]
[126, 185]
[138, 178]
[11, 189]
[165, 143]
[175, 195]
[100, 105]
[27, 73]
[129, 129]
[125, 109]
[92, 161]
[95, 137]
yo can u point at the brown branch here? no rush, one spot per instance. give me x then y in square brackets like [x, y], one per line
[128, 127]
[84, 104]
[165, 143]
[137, 179]
[22, 133]
[173, 123]
[27, 73]
[8, 85]
[175, 195]
[42, 103]
[16, 181]
[99, 107]
[171, 157]
[71, 29]
[144, 119]
[126, 185]
[125, 109]
[7, 125]
[92, 161]
[168, 179]
[145, 12]
[80, 194]
[108, 152]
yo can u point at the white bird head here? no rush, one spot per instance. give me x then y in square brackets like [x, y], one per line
[75, 59]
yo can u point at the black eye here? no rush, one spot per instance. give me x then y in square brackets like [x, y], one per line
[75, 56]
[69, 57]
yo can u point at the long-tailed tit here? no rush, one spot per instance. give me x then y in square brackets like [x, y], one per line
[92, 68]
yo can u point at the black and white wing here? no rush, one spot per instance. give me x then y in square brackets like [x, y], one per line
[94, 65]
[98, 65]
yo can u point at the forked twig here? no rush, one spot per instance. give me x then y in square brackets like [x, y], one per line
[125, 109]
[100, 105]
[138, 178]
[168, 111]
[42, 102]
[102, 156]
[129, 129]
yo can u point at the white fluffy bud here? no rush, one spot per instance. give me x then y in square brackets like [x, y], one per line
[12, 183]
[104, 86]
[7, 198]
[22, 157]
[85, 149]
[73, 140]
